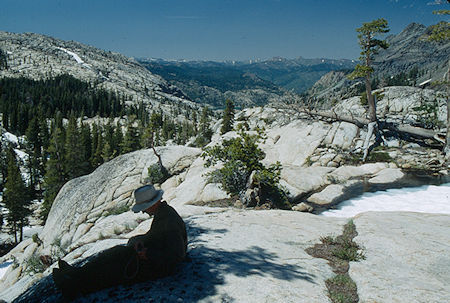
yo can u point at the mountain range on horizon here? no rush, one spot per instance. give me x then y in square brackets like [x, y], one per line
[247, 83]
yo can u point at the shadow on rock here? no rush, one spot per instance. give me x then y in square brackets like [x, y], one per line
[197, 278]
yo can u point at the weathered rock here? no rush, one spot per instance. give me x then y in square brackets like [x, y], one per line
[298, 140]
[194, 188]
[303, 207]
[344, 173]
[344, 136]
[233, 252]
[336, 193]
[302, 180]
[78, 214]
[407, 257]
[387, 175]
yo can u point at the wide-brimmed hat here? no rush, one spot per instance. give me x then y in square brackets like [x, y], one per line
[146, 196]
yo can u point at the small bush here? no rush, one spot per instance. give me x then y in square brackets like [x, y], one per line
[379, 157]
[116, 211]
[342, 289]
[232, 177]
[157, 174]
[34, 264]
[348, 253]
[364, 101]
[241, 156]
[57, 249]
[36, 239]
[327, 240]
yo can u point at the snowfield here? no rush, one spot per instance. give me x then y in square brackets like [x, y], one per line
[76, 57]
[425, 199]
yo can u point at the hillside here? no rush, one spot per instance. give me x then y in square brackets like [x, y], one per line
[41, 57]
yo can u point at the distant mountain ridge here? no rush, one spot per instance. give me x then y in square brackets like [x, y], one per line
[410, 49]
[409, 52]
[247, 83]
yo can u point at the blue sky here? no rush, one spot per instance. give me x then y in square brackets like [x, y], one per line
[214, 29]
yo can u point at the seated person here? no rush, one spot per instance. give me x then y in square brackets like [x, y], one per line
[145, 257]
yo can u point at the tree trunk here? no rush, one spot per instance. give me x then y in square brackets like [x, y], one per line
[371, 128]
[408, 130]
[371, 101]
[15, 232]
[447, 137]
[21, 232]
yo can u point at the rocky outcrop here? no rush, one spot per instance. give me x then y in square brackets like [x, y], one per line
[232, 252]
[407, 257]
[95, 208]
[401, 104]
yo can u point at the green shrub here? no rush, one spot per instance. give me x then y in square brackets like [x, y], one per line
[36, 239]
[342, 289]
[34, 264]
[240, 157]
[117, 211]
[364, 100]
[232, 176]
[428, 114]
[157, 174]
[376, 156]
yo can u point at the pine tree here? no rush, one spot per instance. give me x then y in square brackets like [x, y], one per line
[228, 117]
[55, 177]
[3, 60]
[118, 139]
[86, 144]
[441, 33]
[97, 158]
[147, 137]
[204, 130]
[94, 144]
[44, 136]
[16, 197]
[73, 155]
[108, 151]
[131, 141]
[3, 162]
[369, 47]
[34, 151]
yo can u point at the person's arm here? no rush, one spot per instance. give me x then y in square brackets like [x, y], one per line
[135, 241]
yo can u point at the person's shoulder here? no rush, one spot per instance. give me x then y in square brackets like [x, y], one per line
[166, 207]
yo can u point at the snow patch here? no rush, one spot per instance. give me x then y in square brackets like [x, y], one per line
[22, 155]
[76, 57]
[11, 138]
[424, 199]
[4, 268]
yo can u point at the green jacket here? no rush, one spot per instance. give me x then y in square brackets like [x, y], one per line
[166, 244]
